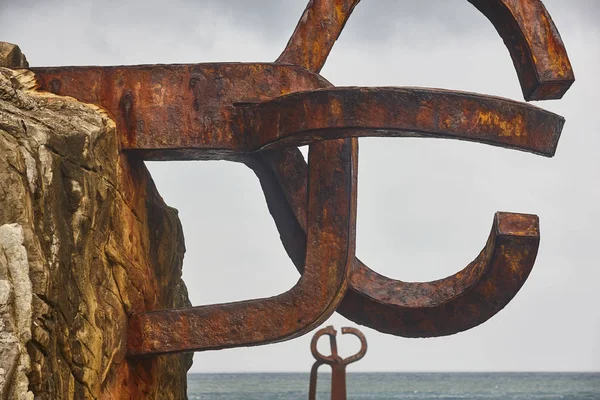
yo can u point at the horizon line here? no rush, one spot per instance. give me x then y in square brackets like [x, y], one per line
[400, 372]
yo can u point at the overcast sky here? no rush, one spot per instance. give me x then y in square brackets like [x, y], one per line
[425, 206]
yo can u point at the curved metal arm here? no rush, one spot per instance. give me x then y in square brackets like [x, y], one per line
[331, 237]
[456, 303]
[303, 117]
[321, 359]
[363, 345]
[535, 46]
[408, 309]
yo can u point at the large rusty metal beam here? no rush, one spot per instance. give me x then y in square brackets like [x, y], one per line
[179, 107]
[302, 118]
[331, 214]
[202, 111]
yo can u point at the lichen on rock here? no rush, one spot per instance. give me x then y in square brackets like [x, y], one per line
[99, 243]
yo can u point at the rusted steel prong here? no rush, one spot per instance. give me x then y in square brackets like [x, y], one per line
[321, 359]
[427, 309]
[331, 206]
[363, 345]
[301, 118]
[535, 46]
[335, 358]
[312, 385]
[316, 32]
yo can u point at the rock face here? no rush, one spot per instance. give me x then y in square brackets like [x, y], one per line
[15, 314]
[11, 56]
[85, 239]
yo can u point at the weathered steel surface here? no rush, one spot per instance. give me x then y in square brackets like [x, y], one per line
[551, 77]
[186, 108]
[337, 363]
[316, 32]
[535, 46]
[410, 309]
[331, 241]
[456, 303]
[202, 111]
[302, 118]
[254, 112]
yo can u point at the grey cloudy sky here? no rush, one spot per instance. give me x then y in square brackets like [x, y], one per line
[425, 206]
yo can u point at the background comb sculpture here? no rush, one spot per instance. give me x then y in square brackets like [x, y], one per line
[254, 113]
[337, 363]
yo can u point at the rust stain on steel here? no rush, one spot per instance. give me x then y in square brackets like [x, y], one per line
[331, 241]
[337, 363]
[182, 110]
[179, 106]
[545, 77]
[191, 109]
[535, 46]
[304, 117]
[456, 303]
[534, 43]
[316, 32]
[253, 112]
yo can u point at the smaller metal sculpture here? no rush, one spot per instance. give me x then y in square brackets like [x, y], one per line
[338, 364]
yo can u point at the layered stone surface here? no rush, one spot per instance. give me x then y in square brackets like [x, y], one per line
[85, 239]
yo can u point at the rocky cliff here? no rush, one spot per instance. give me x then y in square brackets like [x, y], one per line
[85, 238]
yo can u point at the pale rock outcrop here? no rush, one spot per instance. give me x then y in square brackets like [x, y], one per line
[15, 315]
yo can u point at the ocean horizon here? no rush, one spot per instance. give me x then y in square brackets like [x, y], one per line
[399, 385]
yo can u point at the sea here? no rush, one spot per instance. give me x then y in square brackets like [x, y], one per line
[388, 386]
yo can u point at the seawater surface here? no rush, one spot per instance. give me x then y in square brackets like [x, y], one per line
[388, 386]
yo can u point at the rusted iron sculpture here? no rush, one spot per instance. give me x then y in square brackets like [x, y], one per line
[256, 113]
[337, 363]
